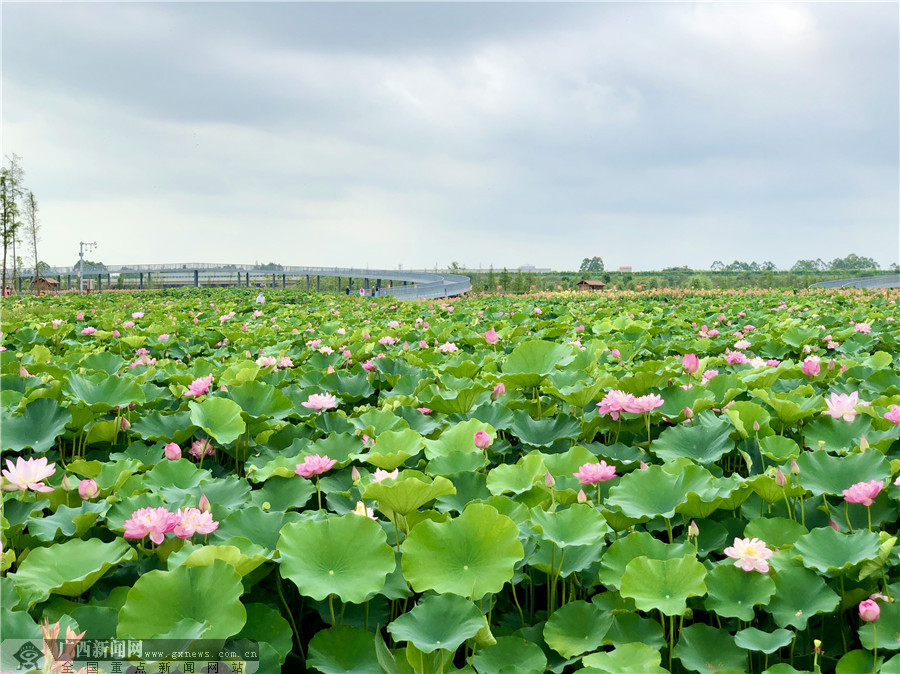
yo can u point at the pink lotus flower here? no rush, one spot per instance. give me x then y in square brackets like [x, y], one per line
[202, 447]
[163, 337]
[592, 473]
[736, 358]
[194, 521]
[266, 361]
[491, 336]
[137, 314]
[482, 440]
[614, 403]
[498, 391]
[863, 492]
[862, 327]
[643, 404]
[199, 387]
[538, 311]
[88, 489]
[80, 316]
[424, 410]
[89, 330]
[25, 475]
[751, 554]
[811, 367]
[172, 451]
[773, 362]
[448, 347]
[842, 406]
[155, 522]
[314, 465]
[387, 340]
[380, 474]
[709, 374]
[690, 363]
[285, 362]
[893, 415]
[869, 611]
[369, 365]
[423, 344]
[320, 401]
[129, 324]
[25, 374]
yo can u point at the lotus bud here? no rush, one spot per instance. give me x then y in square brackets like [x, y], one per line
[172, 451]
[498, 391]
[354, 475]
[821, 445]
[66, 483]
[124, 424]
[204, 506]
[780, 479]
[863, 443]
[869, 611]
[756, 427]
[644, 466]
[548, 480]
[87, 489]
[693, 530]
[831, 364]
[817, 646]
[688, 413]
[834, 525]
[795, 469]
[482, 440]
[582, 497]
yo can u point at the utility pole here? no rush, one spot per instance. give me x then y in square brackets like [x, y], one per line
[81, 246]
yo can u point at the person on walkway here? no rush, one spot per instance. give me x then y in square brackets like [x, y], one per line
[260, 299]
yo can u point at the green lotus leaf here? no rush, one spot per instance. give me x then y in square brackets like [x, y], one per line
[470, 556]
[271, 631]
[822, 473]
[338, 446]
[829, 551]
[469, 487]
[799, 595]
[702, 648]
[458, 439]
[744, 415]
[516, 478]
[283, 493]
[791, 408]
[655, 491]
[857, 661]
[206, 597]
[510, 655]
[164, 427]
[838, 435]
[449, 401]
[579, 524]
[629, 628]
[375, 422]
[101, 392]
[663, 584]
[576, 628]
[410, 491]
[68, 521]
[110, 363]
[779, 448]
[438, 622]
[350, 387]
[346, 556]
[580, 394]
[753, 639]
[626, 658]
[260, 401]
[531, 362]
[263, 528]
[704, 441]
[220, 417]
[231, 555]
[547, 557]
[545, 432]
[888, 626]
[344, 649]
[776, 532]
[633, 546]
[37, 427]
[393, 448]
[69, 568]
[734, 592]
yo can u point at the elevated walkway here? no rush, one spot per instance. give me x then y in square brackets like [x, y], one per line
[886, 281]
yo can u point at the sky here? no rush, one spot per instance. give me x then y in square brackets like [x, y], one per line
[421, 134]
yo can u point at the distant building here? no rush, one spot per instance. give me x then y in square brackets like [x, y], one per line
[628, 268]
[533, 269]
[590, 286]
[45, 284]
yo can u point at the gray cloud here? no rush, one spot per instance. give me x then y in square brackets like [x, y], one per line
[650, 134]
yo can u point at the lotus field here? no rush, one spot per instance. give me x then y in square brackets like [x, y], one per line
[650, 482]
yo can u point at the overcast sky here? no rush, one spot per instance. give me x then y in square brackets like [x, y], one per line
[650, 134]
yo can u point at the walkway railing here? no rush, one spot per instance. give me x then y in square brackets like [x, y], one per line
[887, 281]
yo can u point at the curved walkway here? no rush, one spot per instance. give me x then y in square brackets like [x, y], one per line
[886, 281]
[417, 285]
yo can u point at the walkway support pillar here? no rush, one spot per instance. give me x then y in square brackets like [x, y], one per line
[307, 283]
[317, 283]
[196, 278]
[283, 281]
[141, 280]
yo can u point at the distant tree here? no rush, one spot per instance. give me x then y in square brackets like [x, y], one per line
[768, 266]
[851, 262]
[90, 265]
[11, 179]
[718, 265]
[809, 265]
[32, 227]
[505, 279]
[683, 268]
[490, 279]
[894, 266]
[592, 264]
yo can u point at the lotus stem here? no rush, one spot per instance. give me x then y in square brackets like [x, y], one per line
[669, 529]
[869, 516]
[331, 608]
[847, 516]
[289, 614]
[875, 649]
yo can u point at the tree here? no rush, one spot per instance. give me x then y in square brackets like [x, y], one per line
[11, 178]
[91, 266]
[809, 265]
[852, 262]
[505, 279]
[32, 227]
[490, 280]
[592, 264]
[718, 265]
